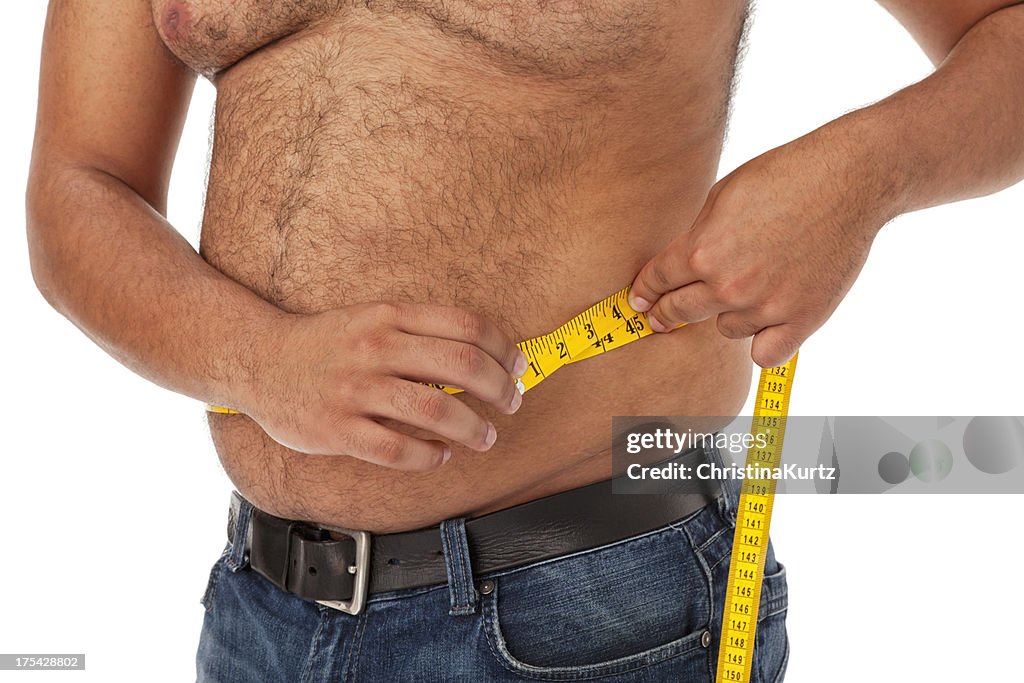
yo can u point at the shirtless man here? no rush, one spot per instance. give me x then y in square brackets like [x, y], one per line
[400, 190]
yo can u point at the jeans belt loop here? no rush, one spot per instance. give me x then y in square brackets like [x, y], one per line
[461, 591]
[240, 532]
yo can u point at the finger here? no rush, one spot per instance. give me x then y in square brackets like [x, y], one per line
[457, 324]
[427, 408]
[774, 346]
[691, 304]
[741, 324]
[668, 270]
[375, 443]
[453, 363]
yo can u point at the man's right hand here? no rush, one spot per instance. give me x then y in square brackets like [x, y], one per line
[327, 379]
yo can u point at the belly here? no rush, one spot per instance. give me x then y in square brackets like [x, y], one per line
[372, 156]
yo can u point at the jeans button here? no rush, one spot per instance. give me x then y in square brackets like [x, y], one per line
[705, 638]
[487, 587]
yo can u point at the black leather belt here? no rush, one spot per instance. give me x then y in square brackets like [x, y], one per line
[312, 562]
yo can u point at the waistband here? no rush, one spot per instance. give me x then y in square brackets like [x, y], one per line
[339, 567]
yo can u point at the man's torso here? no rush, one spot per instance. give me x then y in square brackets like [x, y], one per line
[520, 159]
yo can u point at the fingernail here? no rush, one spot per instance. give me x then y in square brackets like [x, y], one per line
[522, 362]
[492, 435]
[656, 324]
[517, 400]
[639, 304]
[447, 455]
[520, 386]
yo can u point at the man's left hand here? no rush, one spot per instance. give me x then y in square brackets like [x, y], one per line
[774, 250]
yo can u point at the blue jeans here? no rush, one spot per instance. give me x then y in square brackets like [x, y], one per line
[648, 608]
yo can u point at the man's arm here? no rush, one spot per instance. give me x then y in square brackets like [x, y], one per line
[782, 238]
[111, 107]
[957, 134]
[938, 25]
[112, 103]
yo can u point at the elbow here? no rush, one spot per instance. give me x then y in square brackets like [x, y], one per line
[43, 244]
[944, 44]
[34, 221]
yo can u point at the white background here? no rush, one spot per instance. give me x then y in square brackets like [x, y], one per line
[112, 503]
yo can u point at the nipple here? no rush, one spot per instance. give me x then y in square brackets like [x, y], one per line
[175, 17]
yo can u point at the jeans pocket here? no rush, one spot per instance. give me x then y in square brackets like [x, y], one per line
[774, 593]
[633, 605]
[771, 649]
[211, 583]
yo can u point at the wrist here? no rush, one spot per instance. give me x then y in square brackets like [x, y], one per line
[250, 357]
[853, 169]
[872, 168]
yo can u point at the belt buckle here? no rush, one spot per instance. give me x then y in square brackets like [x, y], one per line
[360, 572]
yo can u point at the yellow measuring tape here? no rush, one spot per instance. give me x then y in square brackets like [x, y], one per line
[607, 325]
[753, 518]
[612, 323]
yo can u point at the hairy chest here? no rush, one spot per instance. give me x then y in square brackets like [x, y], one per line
[555, 37]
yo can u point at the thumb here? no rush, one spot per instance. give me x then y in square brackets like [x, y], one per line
[775, 345]
[668, 270]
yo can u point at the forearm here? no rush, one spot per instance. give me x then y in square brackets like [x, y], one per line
[782, 238]
[955, 135]
[109, 262]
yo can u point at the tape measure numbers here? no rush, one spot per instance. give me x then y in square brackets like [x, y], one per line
[753, 519]
[607, 325]
[612, 323]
